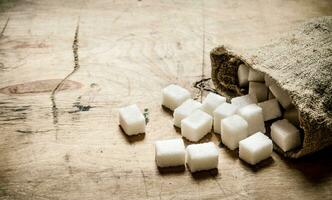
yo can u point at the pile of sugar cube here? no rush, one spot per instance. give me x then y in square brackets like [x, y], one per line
[241, 123]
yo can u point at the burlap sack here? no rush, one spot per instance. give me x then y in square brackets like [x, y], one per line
[301, 63]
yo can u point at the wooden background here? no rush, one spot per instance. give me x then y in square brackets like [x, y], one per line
[59, 134]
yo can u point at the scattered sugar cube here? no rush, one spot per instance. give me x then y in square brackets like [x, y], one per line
[211, 102]
[132, 120]
[184, 110]
[242, 74]
[174, 96]
[234, 129]
[222, 111]
[255, 148]
[259, 90]
[255, 75]
[202, 156]
[285, 135]
[170, 152]
[292, 115]
[281, 95]
[244, 100]
[253, 114]
[271, 109]
[268, 80]
[196, 125]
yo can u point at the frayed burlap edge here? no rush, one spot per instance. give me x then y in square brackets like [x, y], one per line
[300, 62]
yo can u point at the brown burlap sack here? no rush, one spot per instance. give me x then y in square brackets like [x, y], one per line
[301, 63]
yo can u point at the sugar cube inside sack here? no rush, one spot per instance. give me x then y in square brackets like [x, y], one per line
[271, 109]
[174, 96]
[285, 135]
[211, 102]
[234, 129]
[259, 90]
[132, 120]
[170, 152]
[244, 100]
[184, 110]
[242, 74]
[202, 156]
[281, 95]
[221, 112]
[253, 114]
[292, 115]
[255, 75]
[255, 148]
[196, 126]
[270, 95]
[268, 80]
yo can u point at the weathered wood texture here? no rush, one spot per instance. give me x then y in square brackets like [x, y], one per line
[68, 145]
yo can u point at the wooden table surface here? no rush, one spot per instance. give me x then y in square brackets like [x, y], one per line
[67, 66]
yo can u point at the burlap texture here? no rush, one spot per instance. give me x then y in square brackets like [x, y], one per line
[301, 63]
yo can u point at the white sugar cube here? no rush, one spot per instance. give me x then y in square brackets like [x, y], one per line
[292, 115]
[259, 90]
[211, 102]
[184, 110]
[271, 109]
[242, 74]
[196, 126]
[234, 129]
[170, 153]
[244, 100]
[285, 135]
[174, 96]
[255, 148]
[202, 156]
[255, 75]
[253, 114]
[221, 112]
[281, 95]
[132, 120]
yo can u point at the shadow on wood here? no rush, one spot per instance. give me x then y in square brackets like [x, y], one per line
[132, 138]
[171, 170]
[205, 174]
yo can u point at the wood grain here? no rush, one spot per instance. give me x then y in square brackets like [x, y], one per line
[71, 147]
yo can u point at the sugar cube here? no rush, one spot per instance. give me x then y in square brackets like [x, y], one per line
[255, 148]
[234, 129]
[174, 96]
[196, 125]
[132, 120]
[259, 90]
[281, 95]
[292, 115]
[271, 109]
[211, 102]
[255, 75]
[244, 100]
[221, 112]
[285, 135]
[253, 114]
[170, 152]
[202, 156]
[242, 74]
[184, 110]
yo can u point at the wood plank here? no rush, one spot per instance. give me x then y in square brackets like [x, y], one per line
[72, 147]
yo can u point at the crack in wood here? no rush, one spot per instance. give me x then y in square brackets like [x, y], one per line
[4, 28]
[76, 67]
[204, 85]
